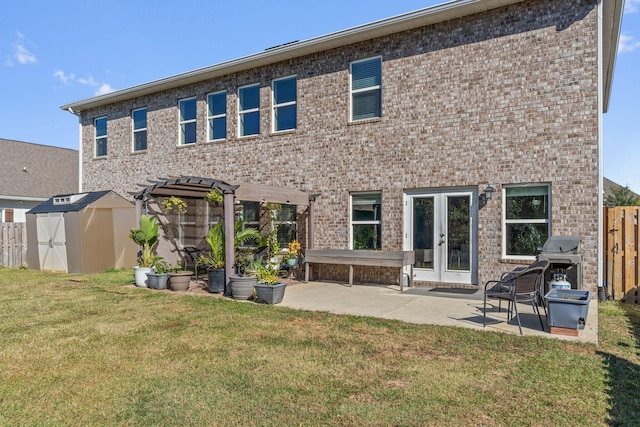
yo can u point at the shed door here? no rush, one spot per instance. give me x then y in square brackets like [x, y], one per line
[52, 246]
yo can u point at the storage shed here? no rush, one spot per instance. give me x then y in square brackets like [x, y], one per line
[81, 233]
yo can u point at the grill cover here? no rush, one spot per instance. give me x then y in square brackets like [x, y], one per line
[561, 245]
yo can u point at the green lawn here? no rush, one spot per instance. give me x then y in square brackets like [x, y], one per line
[92, 350]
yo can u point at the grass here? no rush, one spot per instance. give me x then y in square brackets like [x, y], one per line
[92, 350]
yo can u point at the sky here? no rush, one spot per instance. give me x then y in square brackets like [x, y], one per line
[56, 52]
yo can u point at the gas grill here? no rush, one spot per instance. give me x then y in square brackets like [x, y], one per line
[565, 257]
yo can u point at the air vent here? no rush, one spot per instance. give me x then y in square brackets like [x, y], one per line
[67, 200]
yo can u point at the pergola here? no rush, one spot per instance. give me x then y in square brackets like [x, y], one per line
[197, 187]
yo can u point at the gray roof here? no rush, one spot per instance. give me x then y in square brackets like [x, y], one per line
[48, 206]
[36, 171]
[611, 20]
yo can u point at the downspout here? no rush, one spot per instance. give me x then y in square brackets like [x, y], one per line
[69, 109]
[600, 147]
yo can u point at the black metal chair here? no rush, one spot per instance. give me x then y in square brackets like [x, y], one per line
[520, 285]
[190, 255]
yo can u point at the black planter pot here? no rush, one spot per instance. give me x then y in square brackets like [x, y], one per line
[270, 294]
[216, 280]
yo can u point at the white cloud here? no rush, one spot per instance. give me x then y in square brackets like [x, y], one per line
[627, 44]
[631, 6]
[64, 78]
[71, 79]
[20, 54]
[104, 89]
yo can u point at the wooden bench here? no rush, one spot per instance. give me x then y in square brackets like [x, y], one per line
[398, 259]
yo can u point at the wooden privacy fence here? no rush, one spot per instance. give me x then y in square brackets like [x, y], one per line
[622, 269]
[13, 244]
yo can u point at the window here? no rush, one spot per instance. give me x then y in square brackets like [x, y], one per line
[366, 89]
[249, 213]
[217, 116]
[366, 220]
[249, 110]
[139, 117]
[101, 136]
[284, 104]
[187, 227]
[286, 221]
[187, 121]
[526, 215]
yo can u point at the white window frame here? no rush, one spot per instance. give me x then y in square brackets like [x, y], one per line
[210, 117]
[522, 221]
[184, 122]
[100, 137]
[248, 111]
[352, 223]
[352, 92]
[134, 130]
[275, 106]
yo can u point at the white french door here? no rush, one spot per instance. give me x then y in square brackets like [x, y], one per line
[440, 227]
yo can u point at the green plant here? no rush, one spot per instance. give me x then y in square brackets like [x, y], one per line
[214, 196]
[215, 258]
[174, 203]
[267, 274]
[160, 266]
[146, 237]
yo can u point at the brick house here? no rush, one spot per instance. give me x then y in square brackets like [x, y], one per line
[467, 132]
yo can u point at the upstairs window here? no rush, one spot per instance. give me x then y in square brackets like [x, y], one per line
[526, 220]
[139, 118]
[101, 136]
[249, 110]
[366, 89]
[284, 104]
[366, 221]
[187, 121]
[217, 116]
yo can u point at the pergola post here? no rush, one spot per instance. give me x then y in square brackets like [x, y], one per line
[138, 211]
[229, 238]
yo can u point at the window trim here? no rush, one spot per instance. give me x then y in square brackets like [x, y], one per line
[251, 110]
[134, 130]
[352, 92]
[181, 122]
[275, 107]
[216, 116]
[97, 137]
[370, 222]
[504, 220]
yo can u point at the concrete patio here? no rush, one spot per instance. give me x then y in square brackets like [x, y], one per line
[433, 306]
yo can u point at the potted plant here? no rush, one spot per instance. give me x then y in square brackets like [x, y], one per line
[243, 282]
[291, 258]
[146, 237]
[215, 259]
[269, 289]
[214, 196]
[174, 203]
[158, 277]
[179, 279]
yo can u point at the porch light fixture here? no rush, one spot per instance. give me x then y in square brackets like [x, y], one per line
[488, 191]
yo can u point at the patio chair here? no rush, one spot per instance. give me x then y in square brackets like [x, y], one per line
[520, 285]
[190, 255]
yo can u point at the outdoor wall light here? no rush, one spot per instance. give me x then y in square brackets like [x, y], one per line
[488, 191]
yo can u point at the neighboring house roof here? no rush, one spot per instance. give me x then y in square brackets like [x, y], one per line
[50, 206]
[609, 186]
[611, 20]
[36, 171]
